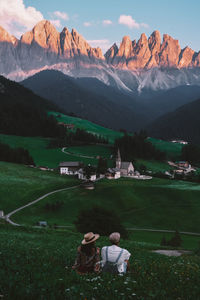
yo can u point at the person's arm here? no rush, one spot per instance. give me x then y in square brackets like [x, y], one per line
[97, 261]
[77, 260]
[126, 259]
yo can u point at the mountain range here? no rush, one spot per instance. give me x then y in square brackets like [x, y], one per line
[149, 63]
[90, 99]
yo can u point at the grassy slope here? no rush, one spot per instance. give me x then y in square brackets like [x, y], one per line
[157, 203]
[48, 157]
[89, 126]
[153, 165]
[91, 150]
[20, 184]
[173, 150]
[33, 262]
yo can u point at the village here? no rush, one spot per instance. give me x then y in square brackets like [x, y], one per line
[121, 169]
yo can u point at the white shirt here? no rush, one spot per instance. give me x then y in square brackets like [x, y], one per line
[113, 253]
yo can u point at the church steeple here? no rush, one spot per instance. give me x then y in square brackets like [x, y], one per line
[118, 159]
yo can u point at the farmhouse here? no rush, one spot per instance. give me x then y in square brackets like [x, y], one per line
[113, 173]
[82, 176]
[70, 167]
[126, 168]
[68, 126]
[179, 142]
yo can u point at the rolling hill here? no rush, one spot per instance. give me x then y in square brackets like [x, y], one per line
[183, 123]
[24, 113]
[90, 99]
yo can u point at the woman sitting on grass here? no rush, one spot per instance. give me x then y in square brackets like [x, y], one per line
[88, 255]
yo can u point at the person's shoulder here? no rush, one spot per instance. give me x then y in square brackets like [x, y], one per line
[126, 251]
[104, 248]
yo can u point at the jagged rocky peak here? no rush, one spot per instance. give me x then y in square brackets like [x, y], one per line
[186, 56]
[46, 35]
[43, 34]
[111, 53]
[170, 51]
[98, 53]
[196, 59]
[154, 42]
[6, 37]
[126, 47]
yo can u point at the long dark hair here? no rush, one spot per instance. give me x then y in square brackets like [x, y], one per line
[88, 248]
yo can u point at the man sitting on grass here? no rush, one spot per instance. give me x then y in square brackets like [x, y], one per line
[115, 259]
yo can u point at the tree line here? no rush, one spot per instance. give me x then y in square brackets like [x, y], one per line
[77, 137]
[137, 146]
[16, 155]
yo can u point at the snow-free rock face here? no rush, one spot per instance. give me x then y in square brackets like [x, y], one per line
[151, 63]
[152, 53]
[45, 46]
[8, 55]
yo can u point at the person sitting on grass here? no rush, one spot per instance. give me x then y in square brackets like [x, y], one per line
[88, 255]
[115, 259]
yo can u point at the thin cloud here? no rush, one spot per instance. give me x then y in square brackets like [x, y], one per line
[87, 24]
[130, 22]
[104, 44]
[16, 18]
[61, 15]
[56, 23]
[107, 22]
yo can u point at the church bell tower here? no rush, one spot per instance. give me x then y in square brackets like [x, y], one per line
[118, 160]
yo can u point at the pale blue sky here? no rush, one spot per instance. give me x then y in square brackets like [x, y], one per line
[178, 18]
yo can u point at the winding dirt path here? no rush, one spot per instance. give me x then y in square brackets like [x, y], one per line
[75, 154]
[163, 231]
[7, 217]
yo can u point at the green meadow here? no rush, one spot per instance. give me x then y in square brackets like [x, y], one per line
[43, 156]
[153, 165]
[156, 203]
[36, 264]
[173, 150]
[92, 151]
[110, 134]
[21, 184]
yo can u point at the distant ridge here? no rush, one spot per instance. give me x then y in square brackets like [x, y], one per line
[147, 63]
[183, 123]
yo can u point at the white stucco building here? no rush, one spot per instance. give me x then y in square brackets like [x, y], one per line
[70, 167]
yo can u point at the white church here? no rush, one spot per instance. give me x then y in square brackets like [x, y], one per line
[122, 168]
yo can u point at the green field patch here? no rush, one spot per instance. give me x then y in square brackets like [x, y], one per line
[153, 165]
[147, 237]
[173, 150]
[36, 264]
[92, 150]
[43, 156]
[21, 184]
[144, 204]
[88, 126]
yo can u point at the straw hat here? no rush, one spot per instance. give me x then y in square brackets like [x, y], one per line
[89, 238]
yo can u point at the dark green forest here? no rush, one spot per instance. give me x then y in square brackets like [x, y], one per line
[137, 146]
[25, 114]
[17, 155]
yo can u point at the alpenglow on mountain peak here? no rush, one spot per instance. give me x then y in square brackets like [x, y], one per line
[44, 47]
